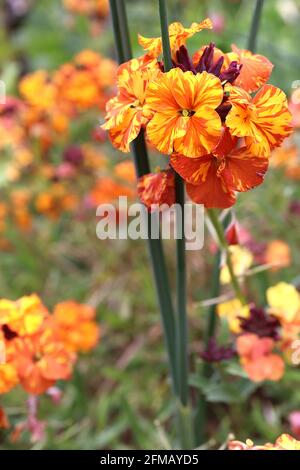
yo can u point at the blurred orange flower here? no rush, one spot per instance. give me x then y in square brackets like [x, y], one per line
[40, 360]
[24, 316]
[278, 254]
[75, 326]
[257, 358]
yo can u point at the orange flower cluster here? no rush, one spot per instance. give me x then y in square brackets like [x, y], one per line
[38, 160]
[257, 358]
[51, 101]
[41, 348]
[284, 442]
[201, 113]
[109, 188]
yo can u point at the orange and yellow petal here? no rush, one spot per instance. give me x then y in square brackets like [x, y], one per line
[185, 119]
[177, 34]
[157, 189]
[243, 171]
[121, 136]
[263, 121]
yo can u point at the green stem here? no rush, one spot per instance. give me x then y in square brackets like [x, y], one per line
[142, 166]
[182, 326]
[219, 229]
[215, 291]
[183, 410]
[165, 35]
[255, 25]
[117, 31]
[124, 29]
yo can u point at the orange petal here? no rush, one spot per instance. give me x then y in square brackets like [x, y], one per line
[213, 193]
[255, 72]
[122, 135]
[245, 171]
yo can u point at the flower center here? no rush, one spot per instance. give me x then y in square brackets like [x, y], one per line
[136, 104]
[187, 112]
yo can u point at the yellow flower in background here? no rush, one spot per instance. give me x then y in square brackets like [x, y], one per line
[241, 259]
[284, 301]
[38, 90]
[231, 311]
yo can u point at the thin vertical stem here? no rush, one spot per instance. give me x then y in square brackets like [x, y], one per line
[142, 167]
[165, 35]
[182, 327]
[255, 25]
[117, 31]
[184, 413]
[124, 29]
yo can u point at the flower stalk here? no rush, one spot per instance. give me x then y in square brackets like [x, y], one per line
[142, 166]
[184, 413]
[255, 25]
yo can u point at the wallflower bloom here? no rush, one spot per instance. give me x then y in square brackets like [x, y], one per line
[264, 121]
[213, 179]
[24, 316]
[257, 358]
[256, 69]
[41, 360]
[284, 301]
[93, 8]
[232, 311]
[125, 171]
[157, 189]
[75, 326]
[278, 254]
[177, 34]
[125, 113]
[55, 201]
[38, 90]
[184, 112]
